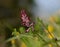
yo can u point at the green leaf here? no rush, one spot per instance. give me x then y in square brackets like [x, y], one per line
[14, 31]
[22, 30]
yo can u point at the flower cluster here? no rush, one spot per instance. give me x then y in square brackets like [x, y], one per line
[25, 20]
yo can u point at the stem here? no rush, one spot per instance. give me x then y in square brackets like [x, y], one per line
[57, 43]
[50, 34]
[42, 38]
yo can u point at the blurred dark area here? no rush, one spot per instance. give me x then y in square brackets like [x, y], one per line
[9, 17]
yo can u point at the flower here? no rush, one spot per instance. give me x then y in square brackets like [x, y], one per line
[50, 35]
[50, 28]
[25, 20]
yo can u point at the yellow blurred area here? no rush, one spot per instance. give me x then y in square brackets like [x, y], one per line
[23, 44]
[50, 28]
[12, 41]
[50, 45]
[50, 36]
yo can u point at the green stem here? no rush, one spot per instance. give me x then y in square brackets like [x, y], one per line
[42, 38]
[50, 34]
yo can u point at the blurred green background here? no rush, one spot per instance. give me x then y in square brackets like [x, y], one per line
[9, 14]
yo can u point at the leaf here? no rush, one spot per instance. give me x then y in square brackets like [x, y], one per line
[14, 32]
[22, 30]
